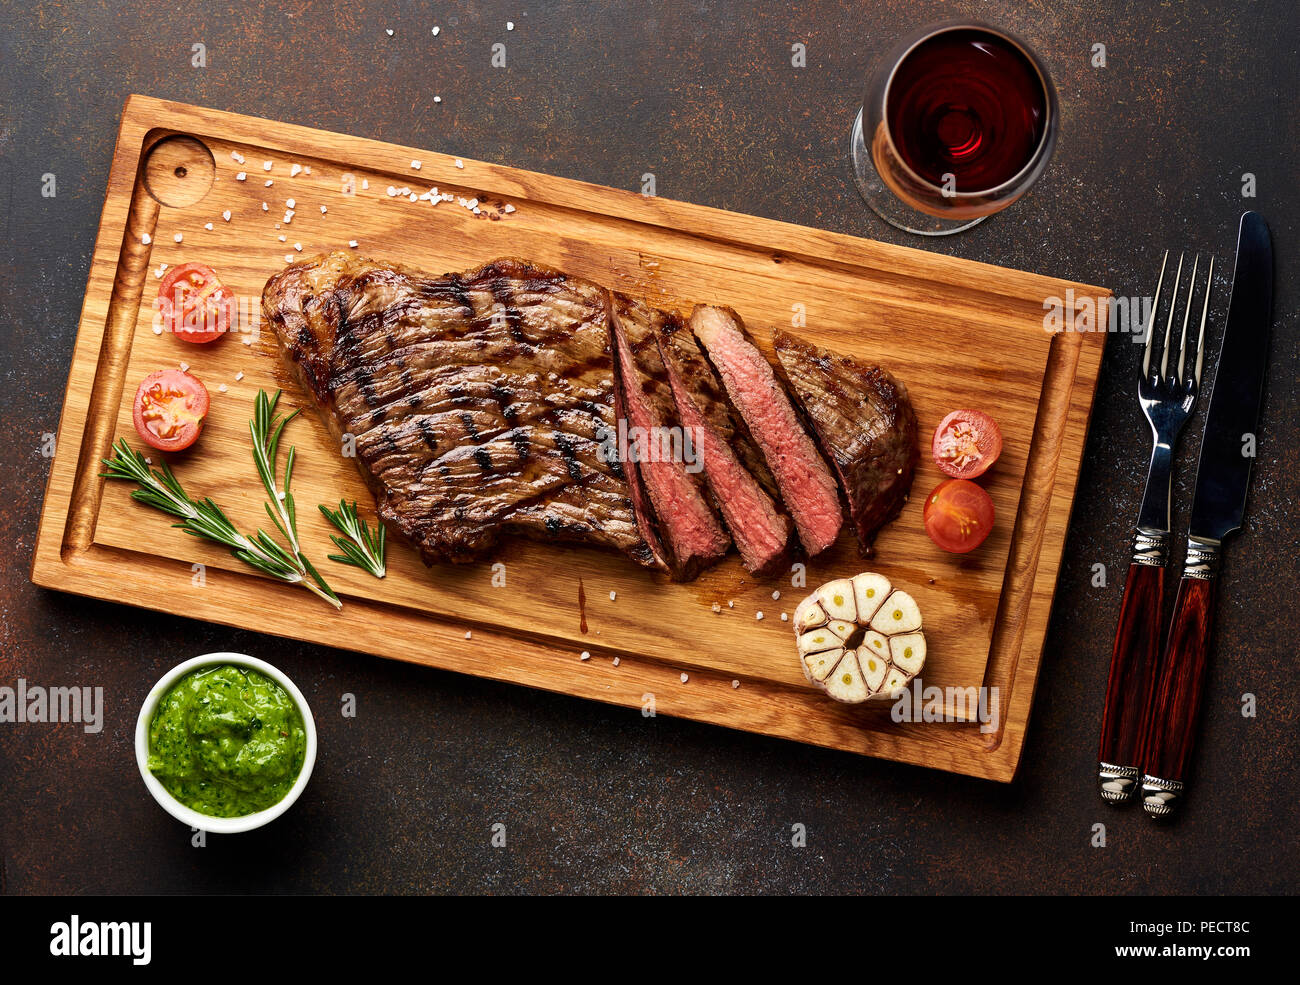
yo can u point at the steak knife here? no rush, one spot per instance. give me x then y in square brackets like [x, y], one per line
[1218, 509]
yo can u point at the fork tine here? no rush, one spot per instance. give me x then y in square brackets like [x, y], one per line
[1151, 322]
[1169, 324]
[1205, 307]
[1187, 314]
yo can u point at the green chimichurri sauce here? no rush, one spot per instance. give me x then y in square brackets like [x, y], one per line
[227, 741]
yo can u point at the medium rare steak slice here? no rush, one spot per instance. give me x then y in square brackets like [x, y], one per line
[681, 351]
[807, 486]
[477, 401]
[761, 531]
[658, 447]
[865, 424]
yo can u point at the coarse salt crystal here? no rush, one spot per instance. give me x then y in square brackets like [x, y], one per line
[242, 176]
[758, 615]
[288, 258]
[509, 209]
[148, 460]
[185, 367]
[735, 684]
[323, 210]
[416, 165]
[295, 170]
[436, 31]
[223, 388]
[785, 617]
[715, 607]
[616, 661]
[226, 215]
[283, 238]
[731, 604]
[613, 596]
[775, 596]
[391, 191]
[239, 376]
[437, 99]
[365, 182]
[291, 203]
[685, 678]
[388, 31]
[473, 202]
[468, 635]
[157, 329]
[265, 207]
[298, 247]
[460, 164]
[266, 165]
[269, 183]
[146, 239]
[413, 197]
[178, 237]
[237, 157]
[585, 655]
[307, 169]
[208, 226]
[352, 243]
[510, 25]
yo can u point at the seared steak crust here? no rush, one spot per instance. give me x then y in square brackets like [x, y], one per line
[477, 401]
[865, 424]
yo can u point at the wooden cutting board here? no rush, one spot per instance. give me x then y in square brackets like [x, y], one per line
[957, 333]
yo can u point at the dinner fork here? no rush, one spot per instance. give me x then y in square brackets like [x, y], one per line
[1167, 400]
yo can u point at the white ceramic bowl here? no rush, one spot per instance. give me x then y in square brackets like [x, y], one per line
[187, 815]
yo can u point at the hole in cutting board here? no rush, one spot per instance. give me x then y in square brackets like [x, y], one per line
[179, 171]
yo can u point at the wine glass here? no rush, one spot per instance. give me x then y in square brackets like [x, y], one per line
[961, 119]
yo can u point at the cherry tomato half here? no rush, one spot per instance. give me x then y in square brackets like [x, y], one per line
[170, 408]
[966, 444]
[958, 515]
[194, 304]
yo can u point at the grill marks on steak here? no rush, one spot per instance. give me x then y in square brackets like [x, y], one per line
[865, 423]
[761, 531]
[686, 522]
[478, 401]
[807, 486]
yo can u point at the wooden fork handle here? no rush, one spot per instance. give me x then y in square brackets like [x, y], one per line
[1169, 733]
[1131, 683]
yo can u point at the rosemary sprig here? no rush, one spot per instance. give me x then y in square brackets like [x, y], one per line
[203, 518]
[361, 548]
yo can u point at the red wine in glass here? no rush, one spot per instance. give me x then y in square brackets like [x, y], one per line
[960, 120]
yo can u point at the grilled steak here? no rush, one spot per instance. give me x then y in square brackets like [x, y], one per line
[659, 446]
[865, 424]
[807, 486]
[477, 401]
[761, 531]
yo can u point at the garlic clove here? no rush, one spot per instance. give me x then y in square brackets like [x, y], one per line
[818, 665]
[809, 615]
[837, 599]
[874, 669]
[845, 682]
[908, 652]
[841, 629]
[899, 614]
[818, 640]
[869, 591]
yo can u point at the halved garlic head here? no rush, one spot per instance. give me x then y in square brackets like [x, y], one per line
[860, 638]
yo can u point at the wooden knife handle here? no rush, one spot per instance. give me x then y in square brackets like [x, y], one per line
[1170, 730]
[1131, 684]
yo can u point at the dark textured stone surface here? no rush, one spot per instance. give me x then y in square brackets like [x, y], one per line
[1151, 155]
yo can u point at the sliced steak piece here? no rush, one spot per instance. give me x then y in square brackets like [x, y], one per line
[682, 352]
[865, 424]
[807, 486]
[478, 402]
[658, 446]
[761, 531]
